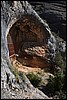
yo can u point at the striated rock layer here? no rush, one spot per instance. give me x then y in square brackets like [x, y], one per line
[55, 14]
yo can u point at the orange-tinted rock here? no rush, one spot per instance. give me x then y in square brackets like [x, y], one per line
[28, 36]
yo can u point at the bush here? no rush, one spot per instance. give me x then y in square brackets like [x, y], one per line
[15, 72]
[57, 86]
[22, 75]
[34, 79]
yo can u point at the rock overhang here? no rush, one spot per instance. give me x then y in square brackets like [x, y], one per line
[28, 34]
[30, 25]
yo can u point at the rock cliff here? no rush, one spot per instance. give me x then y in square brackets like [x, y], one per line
[27, 36]
[11, 88]
[55, 14]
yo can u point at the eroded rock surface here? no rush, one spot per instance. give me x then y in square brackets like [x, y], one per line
[31, 40]
[10, 87]
[54, 12]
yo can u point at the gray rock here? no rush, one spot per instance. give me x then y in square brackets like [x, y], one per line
[10, 13]
[55, 14]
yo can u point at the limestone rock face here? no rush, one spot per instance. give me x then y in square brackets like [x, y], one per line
[55, 14]
[11, 13]
[29, 34]
[27, 38]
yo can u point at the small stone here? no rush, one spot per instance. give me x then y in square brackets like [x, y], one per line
[13, 97]
[16, 89]
[12, 88]
[13, 94]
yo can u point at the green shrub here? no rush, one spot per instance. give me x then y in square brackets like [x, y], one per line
[22, 76]
[34, 79]
[15, 72]
[56, 84]
[61, 94]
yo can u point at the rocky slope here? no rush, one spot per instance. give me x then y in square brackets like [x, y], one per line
[55, 14]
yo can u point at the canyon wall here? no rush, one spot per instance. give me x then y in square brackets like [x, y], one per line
[54, 12]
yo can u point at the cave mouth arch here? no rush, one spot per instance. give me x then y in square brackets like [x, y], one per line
[26, 33]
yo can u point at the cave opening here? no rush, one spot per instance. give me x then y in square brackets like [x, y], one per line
[27, 42]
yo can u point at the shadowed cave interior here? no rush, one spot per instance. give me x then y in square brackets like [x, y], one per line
[27, 41]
